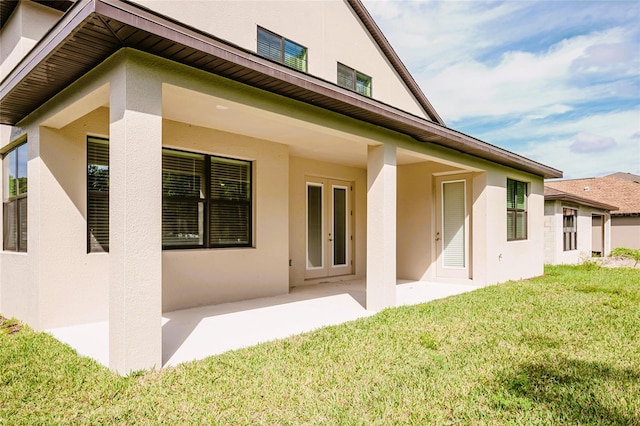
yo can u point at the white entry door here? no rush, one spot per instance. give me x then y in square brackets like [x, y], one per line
[329, 237]
[452, 226]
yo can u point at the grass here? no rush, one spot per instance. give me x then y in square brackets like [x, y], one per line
[559, 349]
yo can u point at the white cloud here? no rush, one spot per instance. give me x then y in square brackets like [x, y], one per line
[551, 143]
[520, 83]
[607, 58]
[543, 72]
[586, 143]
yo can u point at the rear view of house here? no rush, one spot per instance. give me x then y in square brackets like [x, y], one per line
[159, 157]
[575, 228]
[621, 191]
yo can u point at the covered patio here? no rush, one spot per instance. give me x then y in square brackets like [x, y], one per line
[196, 333]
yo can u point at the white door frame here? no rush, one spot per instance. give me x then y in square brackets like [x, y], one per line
[325, 265]
[442, 269]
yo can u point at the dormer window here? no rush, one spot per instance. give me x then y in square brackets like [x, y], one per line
[352, 79]
[280, 49]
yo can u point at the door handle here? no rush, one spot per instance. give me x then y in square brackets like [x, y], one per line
[437, 236]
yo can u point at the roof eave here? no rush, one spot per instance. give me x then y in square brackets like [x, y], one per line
[570, 198]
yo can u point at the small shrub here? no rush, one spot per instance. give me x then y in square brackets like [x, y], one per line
[590, 263]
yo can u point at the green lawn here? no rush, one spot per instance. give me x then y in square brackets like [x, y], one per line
[563, 348]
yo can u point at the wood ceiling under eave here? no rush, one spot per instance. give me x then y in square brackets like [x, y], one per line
[101, 28]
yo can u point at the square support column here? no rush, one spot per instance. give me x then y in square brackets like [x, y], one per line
[135, 220]
[381, 227]
[606, 236]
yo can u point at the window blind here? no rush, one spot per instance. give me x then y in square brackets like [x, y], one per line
[269, 45]
[516, 210]
[230, 218]
[354, 80]
[97, 195]
[14, 164]
[206, 201]
[183, 202]
[345, 77]
[280, 49]
[453, 200]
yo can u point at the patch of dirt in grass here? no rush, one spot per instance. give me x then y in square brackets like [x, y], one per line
[9, 326]
[617, 262]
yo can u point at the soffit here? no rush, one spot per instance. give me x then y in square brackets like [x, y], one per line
[92, 30]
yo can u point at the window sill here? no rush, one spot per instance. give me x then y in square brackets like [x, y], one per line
[181, 249]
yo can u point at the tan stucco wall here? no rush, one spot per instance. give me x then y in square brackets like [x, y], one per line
[210, 276]
[309, 23]
[76, 287]
[18, 292]
[65, 285]
[493, 259]
[28, 23]
[510, 260]
[197, 277]
[300, 169]
[625, 231]
[76, 284]
[416, 220]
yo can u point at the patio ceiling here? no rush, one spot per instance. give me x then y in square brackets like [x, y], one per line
[92, 30]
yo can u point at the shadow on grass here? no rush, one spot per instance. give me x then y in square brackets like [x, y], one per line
[578, 392]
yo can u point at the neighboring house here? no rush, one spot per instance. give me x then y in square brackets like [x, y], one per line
[618, 189]
[184, 156]
[575, 227]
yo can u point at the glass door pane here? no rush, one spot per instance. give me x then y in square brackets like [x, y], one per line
[339, 226]
[314, 226]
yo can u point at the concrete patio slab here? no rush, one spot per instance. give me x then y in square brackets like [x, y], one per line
[196, 333]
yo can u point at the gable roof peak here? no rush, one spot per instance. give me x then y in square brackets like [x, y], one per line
[376, 33]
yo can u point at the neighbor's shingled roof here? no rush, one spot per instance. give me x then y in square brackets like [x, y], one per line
[608, 189]
[551, 194]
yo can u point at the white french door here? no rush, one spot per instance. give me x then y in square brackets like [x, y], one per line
[328, 227]
[452, 226]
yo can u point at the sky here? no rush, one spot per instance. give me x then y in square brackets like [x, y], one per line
[555, 81]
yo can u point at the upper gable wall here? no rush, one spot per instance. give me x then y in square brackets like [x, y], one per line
[27, 25]
[329, 29]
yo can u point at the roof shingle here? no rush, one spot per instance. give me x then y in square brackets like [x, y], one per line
[611, 189]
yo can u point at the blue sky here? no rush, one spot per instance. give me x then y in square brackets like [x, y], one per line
[555, 81]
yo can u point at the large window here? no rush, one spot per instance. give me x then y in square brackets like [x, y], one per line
[97, 195]
[569, 229]
[354, 80]
[516, 210]
[206, 201]
[280, 49]
[15, 199]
